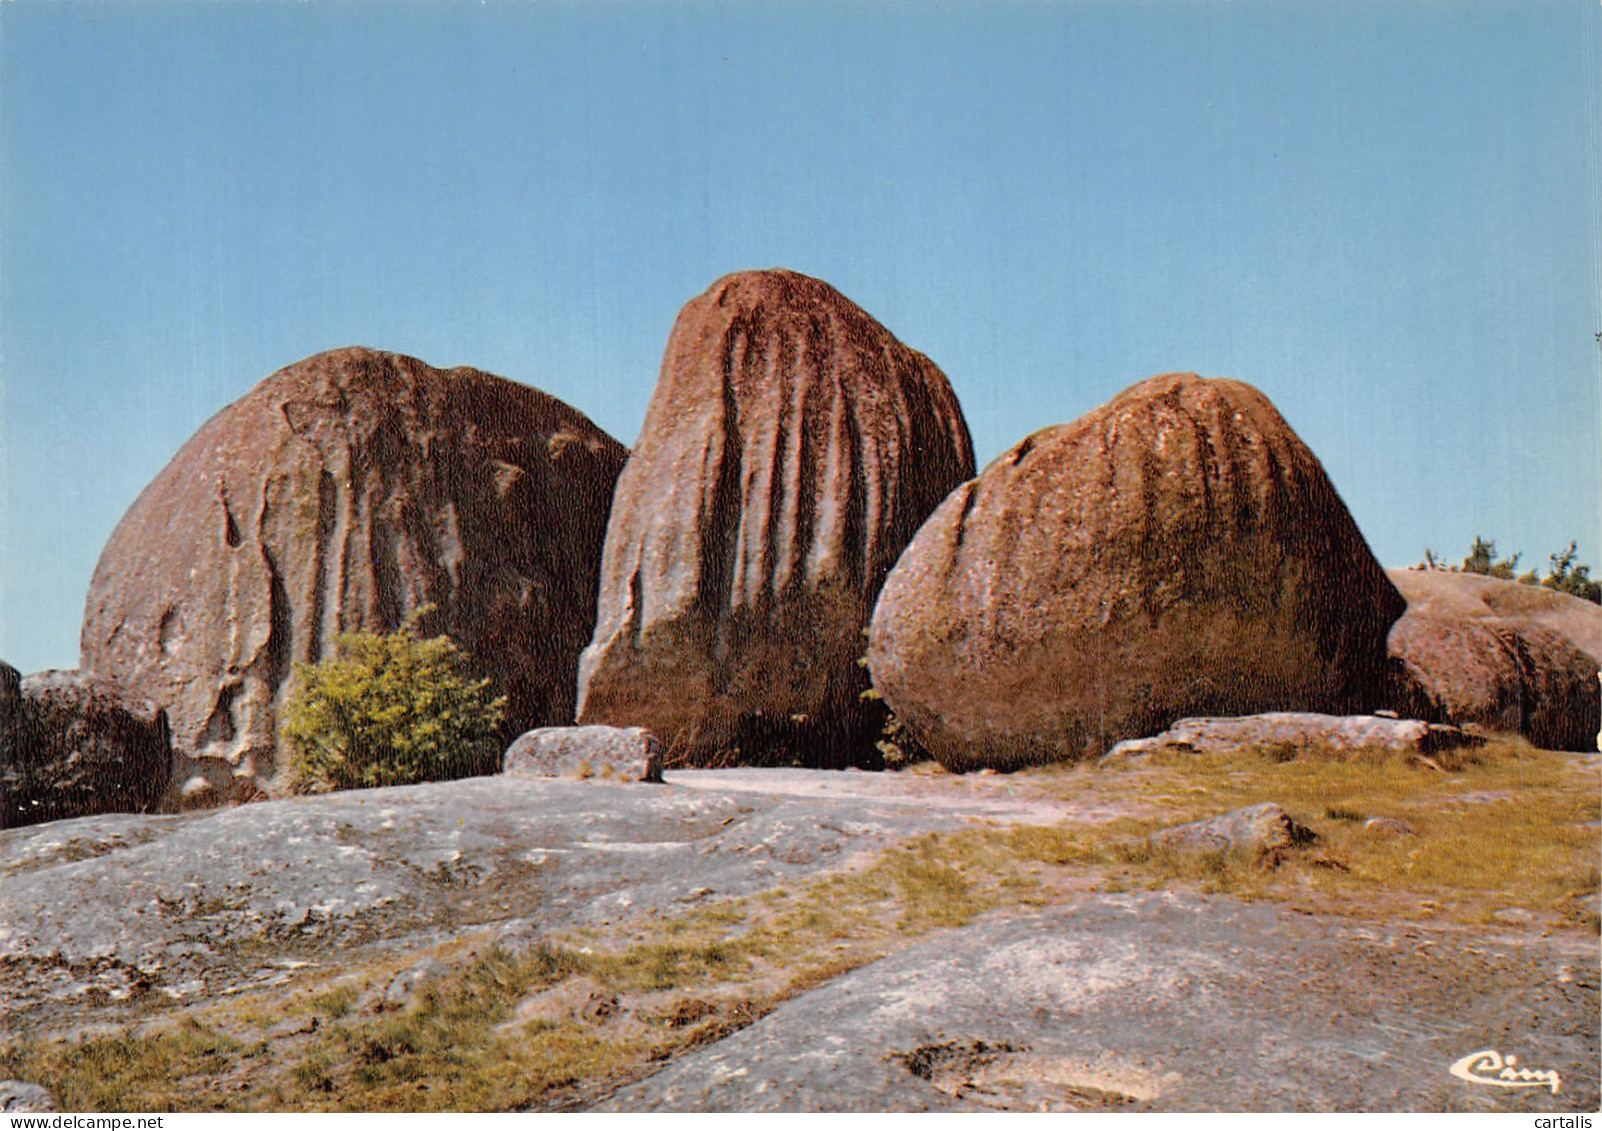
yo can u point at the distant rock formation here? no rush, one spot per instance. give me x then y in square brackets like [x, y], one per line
[1498, 654]
[1178, 551]
[75, 745]
[342, 493]
[791, 450]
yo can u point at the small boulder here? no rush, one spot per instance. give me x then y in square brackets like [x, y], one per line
[519, 938]
[1265, 831]
[1513, 916]
[1297, 730]
[617, 753]
[74, 745]
[1178, 551]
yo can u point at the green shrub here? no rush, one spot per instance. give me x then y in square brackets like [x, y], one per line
[389, 709]
[1568, 576]
[1482, 559]
[1564, 574]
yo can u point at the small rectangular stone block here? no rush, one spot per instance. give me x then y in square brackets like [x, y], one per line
[602, 752]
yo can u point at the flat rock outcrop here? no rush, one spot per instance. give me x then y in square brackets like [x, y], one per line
[1163, 1002]
[343, 493]
[625, 753]
[1297, 730]
[104, 915]
[1500, 655]
[1178, 551]
[73, 744]
[791, 450]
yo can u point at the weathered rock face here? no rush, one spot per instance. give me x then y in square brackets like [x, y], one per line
[74, 745]
[10, 710]
[1472, 596]
[1179, 551]
[1500, 655]
[342, 493]
[791, 450]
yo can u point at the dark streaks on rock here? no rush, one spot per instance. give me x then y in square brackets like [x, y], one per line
[791, 450]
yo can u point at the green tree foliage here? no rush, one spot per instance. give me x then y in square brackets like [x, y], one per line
[1564, 574]
[1482, 559]
[389, 709]
[1568, 576]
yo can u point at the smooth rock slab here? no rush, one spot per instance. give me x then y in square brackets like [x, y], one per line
[1164, 1002]
[1300, 729]
[102, 915]
[626, 753]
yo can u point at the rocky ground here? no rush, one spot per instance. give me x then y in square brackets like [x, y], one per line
[1159, 1001]
[101, 915]
[1009, 967]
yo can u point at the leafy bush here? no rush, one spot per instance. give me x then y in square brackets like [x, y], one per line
[389, 709]
[1566, 576]
[1482, 559]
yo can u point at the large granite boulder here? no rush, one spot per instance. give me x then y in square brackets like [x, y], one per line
[1498, 654]
[791, 450]
[343, 493]
[1178, 551]
[75, 745]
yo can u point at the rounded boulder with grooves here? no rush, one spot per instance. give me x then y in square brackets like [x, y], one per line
[1178, 551]
[341, 494]
[791, 450]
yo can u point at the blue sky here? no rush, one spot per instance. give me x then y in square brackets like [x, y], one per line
[1383, 214]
